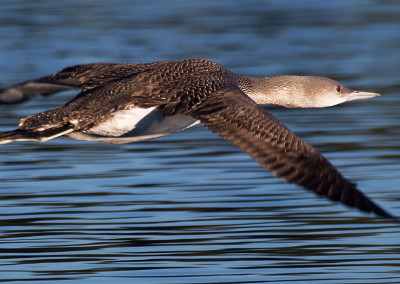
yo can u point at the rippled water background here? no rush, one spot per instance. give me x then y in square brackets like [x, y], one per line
[191, 208]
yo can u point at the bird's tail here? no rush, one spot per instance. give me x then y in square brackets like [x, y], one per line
[40, 136]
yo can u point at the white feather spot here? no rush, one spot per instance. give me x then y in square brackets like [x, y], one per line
[121, 122]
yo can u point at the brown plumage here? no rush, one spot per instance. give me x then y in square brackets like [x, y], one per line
[223, 101]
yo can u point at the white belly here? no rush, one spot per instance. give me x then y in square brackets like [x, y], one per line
[136, 124]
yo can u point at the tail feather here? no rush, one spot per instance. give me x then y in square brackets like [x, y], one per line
[41, 136]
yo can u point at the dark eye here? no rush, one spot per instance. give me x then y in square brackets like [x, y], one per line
[338, 88]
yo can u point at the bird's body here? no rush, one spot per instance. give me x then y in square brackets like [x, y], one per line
[135, 124]
[124, 103]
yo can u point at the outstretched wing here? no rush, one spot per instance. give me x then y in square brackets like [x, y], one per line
[255, 131]
[84, 76]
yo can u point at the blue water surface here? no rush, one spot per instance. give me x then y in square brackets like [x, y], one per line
[190, 207]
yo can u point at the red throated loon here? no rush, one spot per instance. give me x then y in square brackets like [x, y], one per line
[124, 103]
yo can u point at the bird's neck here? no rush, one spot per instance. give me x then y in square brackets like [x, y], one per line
[270, 90]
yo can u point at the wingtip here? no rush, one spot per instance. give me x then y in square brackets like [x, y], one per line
[11, 96]
[386, 215]
[380, 212]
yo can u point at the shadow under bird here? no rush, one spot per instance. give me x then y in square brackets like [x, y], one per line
[124, 103]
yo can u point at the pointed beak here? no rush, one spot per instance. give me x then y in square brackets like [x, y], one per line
[356, 95]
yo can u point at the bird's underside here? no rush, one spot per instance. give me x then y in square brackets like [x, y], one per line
[192, 89]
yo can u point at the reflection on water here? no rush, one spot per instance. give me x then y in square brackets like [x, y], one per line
[190, 207]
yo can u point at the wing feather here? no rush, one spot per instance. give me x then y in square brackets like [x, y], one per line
[255, 131]
[84, 76]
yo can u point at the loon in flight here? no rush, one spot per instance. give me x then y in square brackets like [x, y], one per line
[125, 103]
